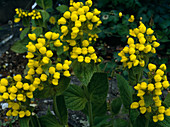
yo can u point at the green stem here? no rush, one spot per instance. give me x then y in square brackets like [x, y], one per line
[90, 113]
[147, 123]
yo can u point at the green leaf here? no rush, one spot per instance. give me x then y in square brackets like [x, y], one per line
[62, 8]
[51, 91]
[49, 121]
[46, 67]
[24, 122]
[165, 122]
[125, 90]
[98, 87]
[116, 105]
[60, 109]
[134, 113]
[45, 15]
[59, 50]
[24, 32]
[120, 123]
[167, 100]
[75, 98]
[20, 46]
[97, 109]
[84, 71]
[140, 121]
[148, 99]
[34, 122]
[38, 31]
[45, 4]
[96, 30]
[101, 121]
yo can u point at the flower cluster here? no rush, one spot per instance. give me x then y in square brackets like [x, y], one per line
[141, 44]
[77, 25]
[131, 19]
[23, 14]
[16, 92]
[157, 82]
[40, 56]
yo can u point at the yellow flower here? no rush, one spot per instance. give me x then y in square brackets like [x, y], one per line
[45, 60]
[55, 82]
[89, 15]
[43, 50]
[9, 113]
[78, 23]
[80, 58]
[90, 26]
[32, 88]
[163, 67]
[2, 89]
[29, 95]
[149, 31]
[59, 66]
[85, 43]
[16, 20]
[74, 17]
[80, 11]
[18, 78]
[132, 57]
[43, 77]
[48, 35]
[32, 36]
[95, 19]
[20, 97]
[161, 109]
[142, 102]
[120, 14]
[140, 93]
[143, 85]
[167, 112]
[155, 119]
[142, 28]
[57, 43]
[14, 113]
[75, 30]
[26, 86]
[142, 110]
[52, 70]
[130, 41]
[142, 63]
[41, 40]
[96, 11]
[150, 87]
[5, 95]
[134, 105]
[55, 36]
[31, 71]
[156, 44]
[52, 20]
[160, 72]
[129, 64]
[165, 84]
[20, 29]
[39, 70]
[49, 53]
[142, 40]
[62, 21]
[13, 89]
[86, 8]
[87, 59]
[131, 19]
[4, 82]
[135, 62]
[137, 87]
[66, 73]
[27, 113]
[91, 49]
[12, 96]
[65, 66]
[131, 50]
[21, 114]
[158, 92]
[148, 109]
[126, 49]
[161, 117]
[56, 75]
[72, 9]
[151, 67]
[157, 78]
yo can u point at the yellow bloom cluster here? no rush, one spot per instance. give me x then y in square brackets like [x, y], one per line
[39, 55]
[77, 23]
[131, 19]
[15, 92]
[22, 14]
[141, 43]
[156, 83]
